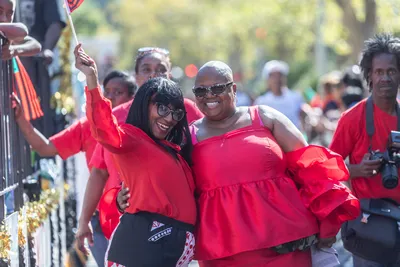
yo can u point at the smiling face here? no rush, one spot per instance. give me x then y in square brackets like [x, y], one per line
[160, 126]
[384, 76]
[215, 107]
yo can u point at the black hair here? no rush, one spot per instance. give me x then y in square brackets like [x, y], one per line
[353, 87]
[166, 92]
[352, 95]
[350, 78]
[143, 55]
[129, 80]
[383, 43]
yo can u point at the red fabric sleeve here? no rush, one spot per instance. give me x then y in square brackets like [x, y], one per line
[342, 141]
[193, 113]
[319, 173]
[108, 211]
[69, 141]
[104, 125]
[97, 161]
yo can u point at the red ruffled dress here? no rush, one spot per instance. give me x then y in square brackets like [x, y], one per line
[252, 196]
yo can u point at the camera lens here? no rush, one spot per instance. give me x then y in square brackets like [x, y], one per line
[389, 176]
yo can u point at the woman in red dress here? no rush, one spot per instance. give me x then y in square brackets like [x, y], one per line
[264, 197]
[152, 152]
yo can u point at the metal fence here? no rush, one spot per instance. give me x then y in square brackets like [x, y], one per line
[47, 246]
[14, 152]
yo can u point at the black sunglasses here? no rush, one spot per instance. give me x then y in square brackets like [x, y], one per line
[164, 111]
[216, 89]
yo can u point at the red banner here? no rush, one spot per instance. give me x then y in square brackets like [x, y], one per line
[74, 4]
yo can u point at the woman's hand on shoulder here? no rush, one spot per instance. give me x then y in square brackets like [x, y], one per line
[285, 132]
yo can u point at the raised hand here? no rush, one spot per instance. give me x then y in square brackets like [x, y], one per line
[84, 63]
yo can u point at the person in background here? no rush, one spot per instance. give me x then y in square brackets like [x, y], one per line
[278, 96]
[352, 88]
[380, 65]
[119, 88]
[45, 20]
[242, 98]
[330, 95]
[324, 110]
[19, 42]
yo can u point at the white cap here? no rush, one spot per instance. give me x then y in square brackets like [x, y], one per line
[275, 66]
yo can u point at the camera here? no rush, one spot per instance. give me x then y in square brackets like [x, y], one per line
[390, 161]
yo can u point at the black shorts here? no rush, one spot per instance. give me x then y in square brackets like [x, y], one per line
[150, 240]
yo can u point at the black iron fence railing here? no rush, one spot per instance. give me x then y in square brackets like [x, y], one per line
[14, 152]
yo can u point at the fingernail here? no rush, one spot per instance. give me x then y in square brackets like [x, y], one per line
[128, 195]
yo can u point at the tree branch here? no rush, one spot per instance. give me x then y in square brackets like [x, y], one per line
[349, 16]
[370, 18]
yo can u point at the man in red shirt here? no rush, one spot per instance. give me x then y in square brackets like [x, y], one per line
[380, 64]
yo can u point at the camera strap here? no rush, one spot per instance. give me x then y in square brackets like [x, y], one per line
[369, 114]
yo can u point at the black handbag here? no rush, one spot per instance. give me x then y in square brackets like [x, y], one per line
[375, 234]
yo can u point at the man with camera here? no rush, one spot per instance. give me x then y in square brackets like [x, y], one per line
[368, 135]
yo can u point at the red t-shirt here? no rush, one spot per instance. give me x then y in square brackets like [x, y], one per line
[74, 139]
[158, 182]
[351, 140]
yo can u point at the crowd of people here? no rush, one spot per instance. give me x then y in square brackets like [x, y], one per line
[225, 180]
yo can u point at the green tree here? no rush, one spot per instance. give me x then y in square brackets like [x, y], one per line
[90, 19]
[246, 34]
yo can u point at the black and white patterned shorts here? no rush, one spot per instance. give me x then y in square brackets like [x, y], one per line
[149, 239]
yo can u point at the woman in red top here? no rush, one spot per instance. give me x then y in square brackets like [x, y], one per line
[264, 197]
[151, 152]
[150, 62]
[119, 88]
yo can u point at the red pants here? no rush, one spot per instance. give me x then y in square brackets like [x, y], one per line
[262, 258]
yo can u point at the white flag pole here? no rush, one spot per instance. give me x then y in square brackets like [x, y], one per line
[71, 23]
